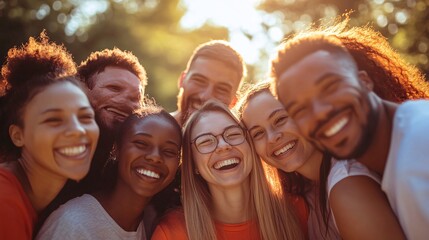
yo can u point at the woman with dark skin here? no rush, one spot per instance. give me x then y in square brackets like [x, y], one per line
[147, 156]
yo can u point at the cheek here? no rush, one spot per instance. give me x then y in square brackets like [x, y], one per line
[260, 146]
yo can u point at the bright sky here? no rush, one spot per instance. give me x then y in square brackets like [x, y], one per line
[238, 16]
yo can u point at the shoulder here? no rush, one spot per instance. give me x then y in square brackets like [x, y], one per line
[171, 226]
[412, 114]
[72, 217]
[348, 168]
[13, 196]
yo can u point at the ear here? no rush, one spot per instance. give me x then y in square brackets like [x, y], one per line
[366, 80]
[16, 135]
[181, 79]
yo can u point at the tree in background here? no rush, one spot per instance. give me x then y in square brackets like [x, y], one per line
[404, 23]
[148, 28]
[151, 30]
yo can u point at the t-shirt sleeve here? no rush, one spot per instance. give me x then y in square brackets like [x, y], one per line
[16, 222]
[61, 225]
[347, 168]
[13, 223]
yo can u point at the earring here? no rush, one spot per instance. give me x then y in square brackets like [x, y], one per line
[197, 172]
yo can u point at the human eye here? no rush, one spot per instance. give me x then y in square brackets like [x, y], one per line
[87, 117]
[233, 133]
[53, 121]
[114, 88]
[199, 81]
[257, 134]
[223, 90]
[170, 153]
[297, 111]
[281, 120]
[205, 142]
[141, 143]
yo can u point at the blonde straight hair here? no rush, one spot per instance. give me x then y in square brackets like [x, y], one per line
[267, 205]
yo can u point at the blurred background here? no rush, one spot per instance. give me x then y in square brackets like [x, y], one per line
[163, 33]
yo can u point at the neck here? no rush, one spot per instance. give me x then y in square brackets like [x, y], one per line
[311, 168]
[375, 156]
[231, 205]
[41, 186]
[113, 202]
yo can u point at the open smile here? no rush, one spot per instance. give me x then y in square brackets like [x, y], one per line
[285, 149]
[148, 173]
[77, 151]
[226, 164]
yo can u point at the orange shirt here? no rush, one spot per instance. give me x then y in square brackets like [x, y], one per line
[17, 215]
[301, 210]
[173, 226]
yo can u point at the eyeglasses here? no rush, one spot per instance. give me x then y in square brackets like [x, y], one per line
[207, 143]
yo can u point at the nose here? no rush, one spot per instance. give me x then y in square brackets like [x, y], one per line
[154, 155]
[207, 94]
[273, 135]
[134, 100]
[75, 128]
[321, 110]
[222, 145]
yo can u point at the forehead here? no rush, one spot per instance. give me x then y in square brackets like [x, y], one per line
[154, 125]
[307, 72]
[259, 108]
[112, 74]
[215, 71]
[58, 96]
[212, 122]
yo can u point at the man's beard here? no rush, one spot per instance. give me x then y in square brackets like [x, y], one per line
[366, 139]
[184, 109]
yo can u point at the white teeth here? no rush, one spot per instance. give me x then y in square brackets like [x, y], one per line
[117, 111]
[285, 148]
[148, 173]
[72, 151]
[336, 127]
[226, 162]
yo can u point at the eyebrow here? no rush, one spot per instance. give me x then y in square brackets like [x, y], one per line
[149, 135]
[319, 81]
[275, 112]
[50, 110]
[232, 125]
[198, 75]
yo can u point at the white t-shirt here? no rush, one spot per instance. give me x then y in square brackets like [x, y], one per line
[347, 168]
[85, 218]
[406, 175]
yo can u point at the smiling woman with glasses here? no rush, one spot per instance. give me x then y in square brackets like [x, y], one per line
[226, 194]
[207, 143]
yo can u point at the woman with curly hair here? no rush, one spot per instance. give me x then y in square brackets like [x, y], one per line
[350, 83]
[47, 130]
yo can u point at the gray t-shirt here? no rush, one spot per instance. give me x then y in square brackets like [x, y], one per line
[85, 218]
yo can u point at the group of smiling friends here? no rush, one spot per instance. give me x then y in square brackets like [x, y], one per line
[331, 145]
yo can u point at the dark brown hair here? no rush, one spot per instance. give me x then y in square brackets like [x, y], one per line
[98, 61]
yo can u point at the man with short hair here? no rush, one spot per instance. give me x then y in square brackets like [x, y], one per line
[333, 103]
[214, 71]
[116, 82]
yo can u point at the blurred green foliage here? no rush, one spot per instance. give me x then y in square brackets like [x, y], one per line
[151, 30]
[403, 22]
